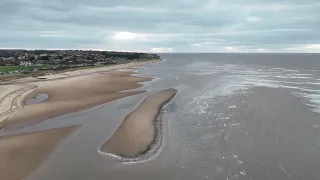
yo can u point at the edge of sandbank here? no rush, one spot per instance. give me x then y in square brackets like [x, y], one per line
[157, 138]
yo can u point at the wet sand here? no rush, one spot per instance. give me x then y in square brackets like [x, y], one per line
[21, 154]
[138, 132]
[71, 94]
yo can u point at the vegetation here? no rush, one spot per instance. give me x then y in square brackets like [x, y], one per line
[38, 74]
[21, 68]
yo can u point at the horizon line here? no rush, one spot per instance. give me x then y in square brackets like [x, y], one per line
[23, 49]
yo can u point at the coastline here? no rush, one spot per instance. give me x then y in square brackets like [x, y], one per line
[48, 75]
[140, 130]
[78, 72]
[57, 85]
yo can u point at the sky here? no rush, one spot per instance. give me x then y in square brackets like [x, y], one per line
[162, 26]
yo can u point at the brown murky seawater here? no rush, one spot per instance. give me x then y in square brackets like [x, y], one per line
[235, 116]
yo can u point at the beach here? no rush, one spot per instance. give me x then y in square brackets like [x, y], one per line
[27, 102]
[67, 92]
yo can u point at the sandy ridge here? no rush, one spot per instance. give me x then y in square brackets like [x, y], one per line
[140, 130]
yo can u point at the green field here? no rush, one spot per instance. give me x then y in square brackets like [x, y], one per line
[16, 68]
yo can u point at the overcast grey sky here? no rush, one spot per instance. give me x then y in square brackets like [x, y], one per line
[162, 26]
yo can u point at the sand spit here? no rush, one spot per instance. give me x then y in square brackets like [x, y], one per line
[21, 154]
[71, 95]
[140, 129]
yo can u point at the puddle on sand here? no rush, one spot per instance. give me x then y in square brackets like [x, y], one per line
[38, 99]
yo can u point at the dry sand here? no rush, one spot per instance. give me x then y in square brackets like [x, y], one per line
[6, 94]
[21, 154]
[9, 98]
[84, 89]
[137, 132]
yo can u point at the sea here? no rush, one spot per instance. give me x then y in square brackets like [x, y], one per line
[235, 117]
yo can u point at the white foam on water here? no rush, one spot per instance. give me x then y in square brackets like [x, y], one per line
[141, 159]
[316, 126]
[303, 74]
[300, 88]
[243, 172]
[240, 76]
[204, 73]
[299, 77]
[314, 100]
[285, 70]
[204, 101]
[313, 83]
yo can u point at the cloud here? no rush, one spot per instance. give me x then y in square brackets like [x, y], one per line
[237, 49]
[253, 19]
[262, 50]
[196, 45]
[309, 48]
[233, 49]
[161, 50]
[170, 26]
[125, 36]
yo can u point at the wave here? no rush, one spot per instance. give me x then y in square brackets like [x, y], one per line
[238, 78]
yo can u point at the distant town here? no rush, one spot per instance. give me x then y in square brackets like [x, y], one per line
[23, 61]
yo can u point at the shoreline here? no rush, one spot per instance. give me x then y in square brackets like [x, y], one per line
[78, 72]
[47, 75]
[141, 130]
[17, 93]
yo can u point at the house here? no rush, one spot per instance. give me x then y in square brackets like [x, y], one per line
[37, 57]
[21, 57]
[2, 62]
[9, 59]
[26, 63]
[56, 61]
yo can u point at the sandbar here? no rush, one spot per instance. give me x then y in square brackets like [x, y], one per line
[138, 131]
